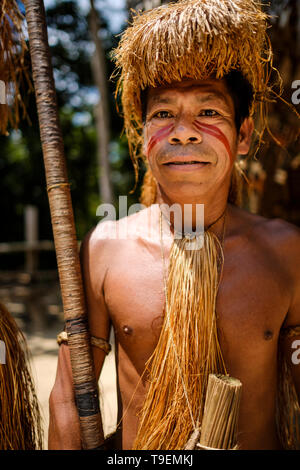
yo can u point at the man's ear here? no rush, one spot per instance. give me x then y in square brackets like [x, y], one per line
[244, 137]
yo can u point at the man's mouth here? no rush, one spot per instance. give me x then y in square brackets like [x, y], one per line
[192, 162]
[186, 165]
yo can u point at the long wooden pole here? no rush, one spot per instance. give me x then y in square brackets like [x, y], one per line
[66, 247]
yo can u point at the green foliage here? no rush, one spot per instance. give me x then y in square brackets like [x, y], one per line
[21, 161]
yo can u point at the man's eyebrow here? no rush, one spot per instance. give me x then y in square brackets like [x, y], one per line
[162, 99]
[216, 95]
[201, 98]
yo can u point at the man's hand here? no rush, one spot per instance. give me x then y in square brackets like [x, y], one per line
[64, 428]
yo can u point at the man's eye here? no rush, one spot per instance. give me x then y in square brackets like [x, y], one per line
[208, 112]
[163, 115]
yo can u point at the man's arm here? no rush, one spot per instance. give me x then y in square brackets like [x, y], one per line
[290, 254]
[64, 430]
[291, 343]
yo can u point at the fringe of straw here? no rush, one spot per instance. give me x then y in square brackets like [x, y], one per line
[20, 420]
[12, 63]
[187, 351]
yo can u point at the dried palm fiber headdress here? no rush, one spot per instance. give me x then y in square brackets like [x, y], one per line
[20, 420]
[194, 39]
[12, 63]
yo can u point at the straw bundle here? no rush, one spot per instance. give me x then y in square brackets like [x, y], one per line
[20, 421]
[221, 412]
[187, 351]
[12, 67]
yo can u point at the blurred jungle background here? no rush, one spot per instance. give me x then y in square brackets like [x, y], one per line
[82, 34]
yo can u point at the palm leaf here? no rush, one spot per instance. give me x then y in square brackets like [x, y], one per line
[12, 63]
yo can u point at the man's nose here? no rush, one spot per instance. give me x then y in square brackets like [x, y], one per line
[184, 134]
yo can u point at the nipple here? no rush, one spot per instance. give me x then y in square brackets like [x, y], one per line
[127, 330]
[268, 334]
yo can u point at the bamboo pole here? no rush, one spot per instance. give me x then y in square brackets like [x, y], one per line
[66, 247]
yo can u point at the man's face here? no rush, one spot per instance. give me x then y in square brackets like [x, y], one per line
[190, 138]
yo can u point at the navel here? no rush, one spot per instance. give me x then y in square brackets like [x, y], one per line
[127, 330]
[268, 334]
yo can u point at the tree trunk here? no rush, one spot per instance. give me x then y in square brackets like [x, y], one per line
[101, 111]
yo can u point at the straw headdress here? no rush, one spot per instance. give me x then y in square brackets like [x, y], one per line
[20, 419]
[191, 39]
[12, 68]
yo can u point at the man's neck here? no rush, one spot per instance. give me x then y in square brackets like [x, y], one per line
[187, 215]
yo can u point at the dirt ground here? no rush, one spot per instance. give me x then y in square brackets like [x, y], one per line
[44, 352]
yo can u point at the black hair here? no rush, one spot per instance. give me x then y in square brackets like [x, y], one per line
[239, 89]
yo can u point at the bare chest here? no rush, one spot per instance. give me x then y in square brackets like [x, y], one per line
[252, 302]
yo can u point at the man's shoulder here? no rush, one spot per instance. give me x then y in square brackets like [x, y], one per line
[275, 235]
[278, 233]
[283, 230]
[283, 238]
[131, 227]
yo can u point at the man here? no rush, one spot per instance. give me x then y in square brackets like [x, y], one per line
[191, 75]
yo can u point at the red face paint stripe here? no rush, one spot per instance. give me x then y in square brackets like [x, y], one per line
[215, 132]
[159, 135]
